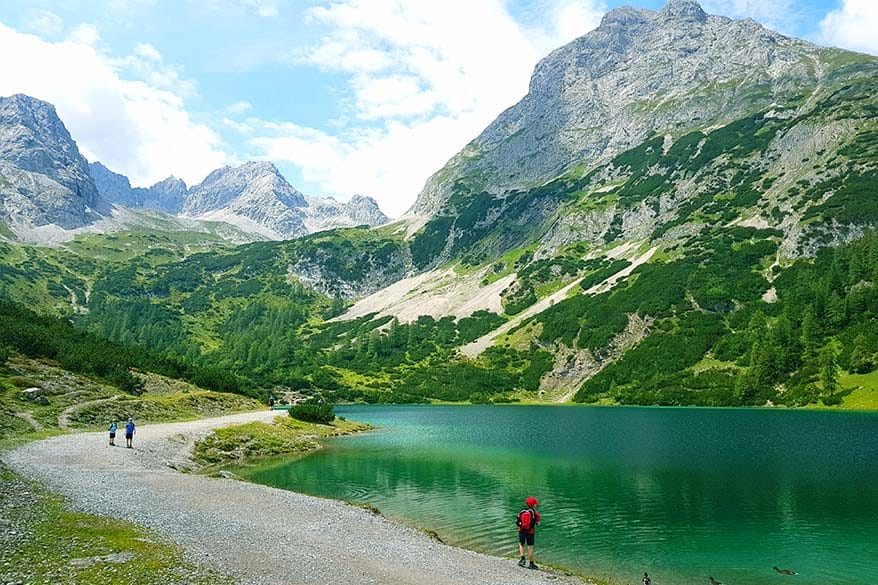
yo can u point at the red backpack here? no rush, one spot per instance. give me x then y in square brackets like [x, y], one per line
[526, 519]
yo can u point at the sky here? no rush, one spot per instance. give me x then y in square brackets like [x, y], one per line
[346, 96]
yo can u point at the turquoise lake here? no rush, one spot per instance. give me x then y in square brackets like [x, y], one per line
[682, 493]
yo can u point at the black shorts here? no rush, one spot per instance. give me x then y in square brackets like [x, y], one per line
[112, 435]
[526, 537]
[127, 436]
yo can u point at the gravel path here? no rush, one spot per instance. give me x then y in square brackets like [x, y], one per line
[258, 534]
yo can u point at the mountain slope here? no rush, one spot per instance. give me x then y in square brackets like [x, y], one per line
[253, 197]
[640, 72]
[655, 259]
[44, 180]
[167, 195]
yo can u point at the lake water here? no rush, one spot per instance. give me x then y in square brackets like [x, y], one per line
[682, 493]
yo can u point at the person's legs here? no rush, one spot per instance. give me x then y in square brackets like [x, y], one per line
[521, 540]
[530, 551]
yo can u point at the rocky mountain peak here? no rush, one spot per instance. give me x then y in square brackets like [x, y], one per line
[43, 177]
[638, 73]
[253, 183]
[686, 10]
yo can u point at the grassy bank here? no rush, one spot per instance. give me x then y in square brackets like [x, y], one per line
[240, 443]
[72, 547]
[66, 400]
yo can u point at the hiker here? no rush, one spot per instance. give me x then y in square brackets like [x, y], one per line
[527, 521]
[271, 402]
[646, 579]
[112, 429]
[129, 433]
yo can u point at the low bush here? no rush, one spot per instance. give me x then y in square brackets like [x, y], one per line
[316, 413]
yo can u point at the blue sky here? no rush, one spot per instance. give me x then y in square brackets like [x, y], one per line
[346, 96]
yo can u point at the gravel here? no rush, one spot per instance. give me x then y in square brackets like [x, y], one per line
[254, 533]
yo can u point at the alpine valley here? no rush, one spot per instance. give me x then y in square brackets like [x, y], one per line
[681, 211]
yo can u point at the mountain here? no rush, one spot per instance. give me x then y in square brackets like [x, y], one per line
[167, 195]
[44, 180]
[692, 95]
[256, 197]
[640, 73]
[683, 210]
[253, 197]
[324, 213]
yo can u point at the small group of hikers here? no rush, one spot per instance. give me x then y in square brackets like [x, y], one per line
[130, 429]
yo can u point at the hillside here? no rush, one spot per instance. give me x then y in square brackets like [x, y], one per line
[681, 211]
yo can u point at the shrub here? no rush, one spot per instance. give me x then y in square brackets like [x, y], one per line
[316, 413]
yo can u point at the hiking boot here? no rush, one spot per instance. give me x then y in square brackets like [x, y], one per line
[532, 566]
[522, 562]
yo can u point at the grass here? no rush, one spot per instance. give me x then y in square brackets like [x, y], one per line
[58, 545]
[163, 400]
[864, 395]
[257, 440]
[164, 408]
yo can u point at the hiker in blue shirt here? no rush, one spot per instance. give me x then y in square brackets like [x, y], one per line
[112, 430]
[129, 433]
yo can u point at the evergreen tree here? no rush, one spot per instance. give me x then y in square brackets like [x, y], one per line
[829, 366]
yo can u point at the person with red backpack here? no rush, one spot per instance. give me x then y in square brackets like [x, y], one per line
[527, 521]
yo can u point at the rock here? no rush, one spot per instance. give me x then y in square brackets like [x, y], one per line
[641, 72]
[44, 180]
[226, 474]
[167, 195]
[33, 393]
[256, 197]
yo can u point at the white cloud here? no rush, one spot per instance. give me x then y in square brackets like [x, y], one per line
[853, 26]
[426, 77]
[85, 34]
[239, 108]
[265, 8]
[45, 22]
[131, 125]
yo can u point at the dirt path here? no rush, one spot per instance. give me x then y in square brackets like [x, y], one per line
[64, 416]
[255, 533]
[29, 419]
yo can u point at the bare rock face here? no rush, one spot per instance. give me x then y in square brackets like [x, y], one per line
[114, 187]
[256, 196]
[640, 72]
[167, 195]
[253, 194]
[325, 213]
[43, 177]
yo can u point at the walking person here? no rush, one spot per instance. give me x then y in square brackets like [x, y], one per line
[646, 580]
[130, 429]
[527, 521]
[112, 430]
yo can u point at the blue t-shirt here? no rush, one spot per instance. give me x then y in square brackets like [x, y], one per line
[129, 428]
[112, 428]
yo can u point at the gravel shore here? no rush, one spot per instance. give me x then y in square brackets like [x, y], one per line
[257, 534]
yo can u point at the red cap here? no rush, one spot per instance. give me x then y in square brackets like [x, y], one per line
[531, 501]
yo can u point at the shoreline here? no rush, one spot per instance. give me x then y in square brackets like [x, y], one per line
[255, 533]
